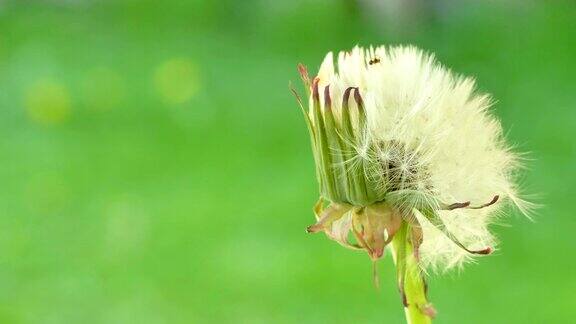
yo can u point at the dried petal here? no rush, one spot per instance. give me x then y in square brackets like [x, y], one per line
[340, 230]
[328, 216]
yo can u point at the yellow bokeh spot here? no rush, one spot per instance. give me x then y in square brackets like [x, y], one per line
[47, 102]
[176, 80]
[102, 89]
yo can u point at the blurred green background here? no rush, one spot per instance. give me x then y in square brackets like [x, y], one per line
[156, 169]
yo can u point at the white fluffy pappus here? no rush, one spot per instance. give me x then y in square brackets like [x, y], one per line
[428, 133]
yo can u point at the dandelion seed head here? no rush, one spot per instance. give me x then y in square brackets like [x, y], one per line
[429, 138]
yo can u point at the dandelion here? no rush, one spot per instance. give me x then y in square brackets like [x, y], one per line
[408, 156]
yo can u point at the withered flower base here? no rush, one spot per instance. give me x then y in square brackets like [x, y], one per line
[388, 136]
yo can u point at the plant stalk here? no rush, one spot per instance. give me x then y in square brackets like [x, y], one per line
[411, 283]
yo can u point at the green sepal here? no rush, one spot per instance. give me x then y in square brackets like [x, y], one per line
[311, 132]
[369, 194]
[339, 170]
[352, 137]
[345, 132]
[323, 149]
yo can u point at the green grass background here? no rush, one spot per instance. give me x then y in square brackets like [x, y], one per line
[154, 167]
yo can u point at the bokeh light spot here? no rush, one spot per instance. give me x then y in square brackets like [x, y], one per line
[47, 102]
[176, 80]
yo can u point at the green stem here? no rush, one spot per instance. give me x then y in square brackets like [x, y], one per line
[410, 281]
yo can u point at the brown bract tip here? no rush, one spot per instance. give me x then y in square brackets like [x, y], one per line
[458, 205]
[486, 251]
[491, 202]
[428, 310]
[376, 253]
[314, 228]
[346, 97]
[315, 93]
[327, 99]
[404, 299]
[304, 74]
[358, 98]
